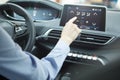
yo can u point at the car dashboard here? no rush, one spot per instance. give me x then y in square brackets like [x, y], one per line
[90, 50]
[38, 11]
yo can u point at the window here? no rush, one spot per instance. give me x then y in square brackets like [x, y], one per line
[114, 4]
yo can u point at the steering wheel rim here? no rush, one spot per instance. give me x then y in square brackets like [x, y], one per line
[28, 20]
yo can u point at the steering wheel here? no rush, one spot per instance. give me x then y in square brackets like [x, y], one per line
[28, 20]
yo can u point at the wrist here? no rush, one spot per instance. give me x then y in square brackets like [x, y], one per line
[66, 40]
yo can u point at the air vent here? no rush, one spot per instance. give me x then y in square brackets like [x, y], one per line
[84, 37]
[94, 39]
[54, 34]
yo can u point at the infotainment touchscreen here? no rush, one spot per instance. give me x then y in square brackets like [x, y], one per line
[88, 17]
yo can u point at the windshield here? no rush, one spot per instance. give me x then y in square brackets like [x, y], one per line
[111, 4]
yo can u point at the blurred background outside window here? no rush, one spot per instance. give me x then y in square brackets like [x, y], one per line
[114, 4]
[109, 3]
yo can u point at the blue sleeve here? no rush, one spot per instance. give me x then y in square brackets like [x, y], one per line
[16, 64]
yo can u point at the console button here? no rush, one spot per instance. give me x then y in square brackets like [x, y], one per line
[74, 55]
[89, 57]
[94, 58]
[79, 55]
[70, 54]
[84, 56]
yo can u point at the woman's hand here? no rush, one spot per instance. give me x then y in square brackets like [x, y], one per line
[70, 31]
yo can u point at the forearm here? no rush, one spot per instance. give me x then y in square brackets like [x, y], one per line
[21, 66]
[16, 64]
[54, 60]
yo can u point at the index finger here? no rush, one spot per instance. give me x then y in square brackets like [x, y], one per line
[72, 19]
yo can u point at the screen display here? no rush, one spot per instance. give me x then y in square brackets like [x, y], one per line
[88, 17]
[38, 13]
